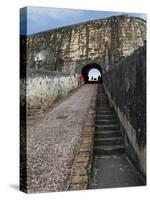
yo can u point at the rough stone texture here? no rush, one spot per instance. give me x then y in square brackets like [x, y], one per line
[69, 48]
[43, 88]
[127, 93]
[53, 142]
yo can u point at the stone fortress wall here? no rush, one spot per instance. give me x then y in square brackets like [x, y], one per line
[104, 41]
[69, 49]
[54, 60]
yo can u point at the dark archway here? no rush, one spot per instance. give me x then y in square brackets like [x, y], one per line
[85, 73]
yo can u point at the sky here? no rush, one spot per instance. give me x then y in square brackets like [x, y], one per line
[95, 73]
[37, 19]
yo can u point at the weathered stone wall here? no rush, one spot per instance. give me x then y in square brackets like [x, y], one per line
[69, 48]
[43, 88]
[125, 85]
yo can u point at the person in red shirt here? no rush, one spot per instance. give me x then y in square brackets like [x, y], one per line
[81, 77]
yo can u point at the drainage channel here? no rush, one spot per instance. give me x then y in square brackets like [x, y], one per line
[111, 166]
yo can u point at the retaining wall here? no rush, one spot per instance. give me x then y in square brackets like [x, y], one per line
[43, 88]
[125, 85]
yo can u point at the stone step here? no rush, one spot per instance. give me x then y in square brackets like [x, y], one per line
[104, 109]
[102, 94]
[107, 134]
[107, 127]
[103, 117]
[102, 103]
[105, 112]
[101, 113]
[109, 150]
[100, 107]
[106, 122]
[102, 99]
[108, 141]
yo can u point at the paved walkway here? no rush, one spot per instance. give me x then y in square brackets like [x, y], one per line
[114, 171]
[53, 141]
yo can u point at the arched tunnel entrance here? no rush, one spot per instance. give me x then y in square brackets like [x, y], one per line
[92, 73]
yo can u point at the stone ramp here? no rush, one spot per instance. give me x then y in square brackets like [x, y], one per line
[53, 142]
[111, 167]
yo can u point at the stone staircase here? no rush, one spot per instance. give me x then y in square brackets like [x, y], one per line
[108, 140]
[111, 166]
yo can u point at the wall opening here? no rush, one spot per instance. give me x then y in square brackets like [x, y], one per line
[92, 73]
[40, 57]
